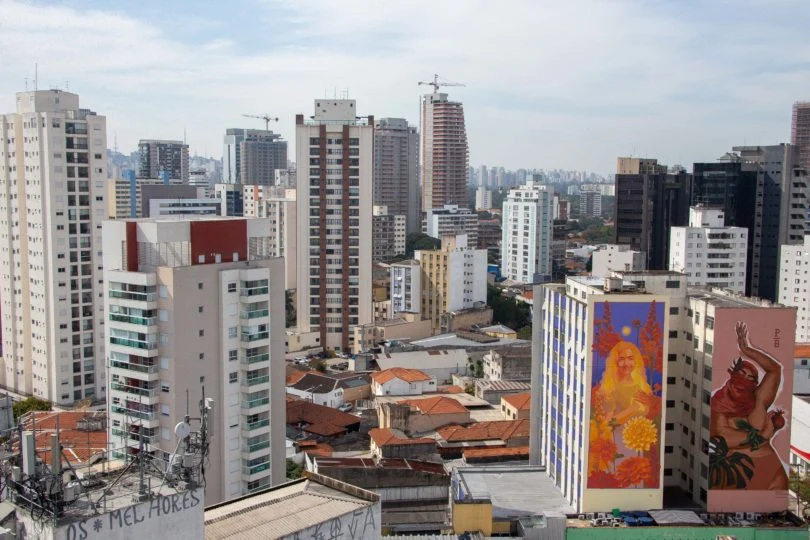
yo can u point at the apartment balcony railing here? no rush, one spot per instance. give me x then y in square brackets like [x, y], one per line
[132, 295]
[255, 447]
[250, 426]
[255, 359]
[255, 336]
[145, 345]
[135, 390]
[255, 314]
[253, 381]
[255, 469]
[255, 402]
[139, 368]
[132, 413]
[255, 291]
[133, 436]
[132, 319]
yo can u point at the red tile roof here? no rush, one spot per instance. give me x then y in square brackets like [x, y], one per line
[295, 376]
[407, 375]
[436, 405]
[453, 390]
[521, 402]
[500, 452]
[484, 431]
[318, 419]
[385, 463]
[390, 437]
[801, 350]
[78, 445]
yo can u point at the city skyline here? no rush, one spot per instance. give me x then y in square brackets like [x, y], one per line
[581, 81]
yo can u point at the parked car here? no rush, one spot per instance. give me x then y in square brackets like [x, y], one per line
[346, 407]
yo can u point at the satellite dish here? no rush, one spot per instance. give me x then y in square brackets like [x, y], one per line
[182, 430]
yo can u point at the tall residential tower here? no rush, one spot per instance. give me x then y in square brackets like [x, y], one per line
[444, 153]
[396, 170]
[335, 162]
[527, 233]
[52, 187]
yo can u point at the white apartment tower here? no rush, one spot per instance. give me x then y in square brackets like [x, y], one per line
[443, 152]
[406, 287]
[53, 181]
[483, 199]
[451, 220]
[616, 257]
[335, 163]
[709, 253]
[527, 233]
[794, 266]
[192, 304]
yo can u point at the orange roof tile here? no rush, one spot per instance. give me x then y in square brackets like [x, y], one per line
[405, 374]
[319, 420]
[521, 402]
[78, 445]
[454, 390]
[436, 405]
[387, 436]
[483, 431]
[801, 350]
[293, 378]
[510, 451]
[320, 449]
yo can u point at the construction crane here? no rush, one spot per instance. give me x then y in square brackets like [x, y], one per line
[266, 117]
[436, 84]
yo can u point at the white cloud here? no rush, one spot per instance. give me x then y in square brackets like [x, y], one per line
[549, 84]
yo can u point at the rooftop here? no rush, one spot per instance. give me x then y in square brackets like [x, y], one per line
[515, 491]
[485, 431]
[387, 463]
[394, 437]
[521, 401]
[724, 298]
[81, 434]
[453, 340]
[290, 508]
[317, 418]
[436, 405]
[405, 374]
[802, 350]
[504, 386]
[467, 400]
[508, 453]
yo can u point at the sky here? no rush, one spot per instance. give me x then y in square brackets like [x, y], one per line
[548, 84]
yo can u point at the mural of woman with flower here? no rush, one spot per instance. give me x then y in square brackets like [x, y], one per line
[625, 423]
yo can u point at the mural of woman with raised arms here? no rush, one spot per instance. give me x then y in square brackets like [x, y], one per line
[742, 424]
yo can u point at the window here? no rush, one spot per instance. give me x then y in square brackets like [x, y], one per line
[200, 309]
[670, 403]
[232, 332]
[668, 449]
[673, 310]
[200, 285]
[673, 284]
[670, 426]
[667, 472]
[233, 376]
[232, 355]
[670, 380]
[164, 410]
[672, 357]
[163, 315]
[202, 333]
[232, 287]
[673, 333]
[165, 388]
[202, 356]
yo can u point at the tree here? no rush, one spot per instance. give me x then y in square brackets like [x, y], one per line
[799, 484]
[320, 365]
[30, 404]
[525, 332]
[416, 241]
[289, 308]
[293, 470]
[508, 311]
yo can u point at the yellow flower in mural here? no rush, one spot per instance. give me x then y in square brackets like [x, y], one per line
[639, 434]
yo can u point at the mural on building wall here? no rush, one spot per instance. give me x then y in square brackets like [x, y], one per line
[625, 422]
[752, 381]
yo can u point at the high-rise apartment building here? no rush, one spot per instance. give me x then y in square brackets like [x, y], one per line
[590, 203]
[444, 153]
[794, 284]
[396, 170]
[406, 287]
[709, 253]
[800, 132]
[451, 220]
[335, 164]
[483, 176]
[158, 156]
[388, 234]
[52, 188]
[252, 156]
[638, 356]
[647, 205]
[483, 199]
[453, 278]
[196, 304]
[527, 233]
[763, 189]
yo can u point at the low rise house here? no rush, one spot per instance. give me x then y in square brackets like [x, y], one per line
[398, 381]
[422, 415]
[508, 363]
[499, 331]
[493, 391]
[453, 440]
[516, 406]
[318, 421]
[393, 443]
[331, 390]
[440, 364]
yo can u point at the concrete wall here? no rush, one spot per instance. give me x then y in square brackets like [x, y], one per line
[421, 423]
[469, 517]
[360, 524]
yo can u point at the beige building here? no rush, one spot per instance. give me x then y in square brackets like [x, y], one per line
[196, 304]
[335, 157]
[406, 326]
[631, 165]
[279, 205]
[444, 154]
[53, 170]
[453, 278]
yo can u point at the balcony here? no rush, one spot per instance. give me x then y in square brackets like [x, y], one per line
[133, 413]
[250, 402]
[133, 295]
[132, 319]
[255, 291]
[256, 424]
[253, 381]
[250, 470]
[255, 314]
[142, 345]
[256, 358]
[255, 447]
[249, 335]
[138, 368]
[135, 390]
[134, 436]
